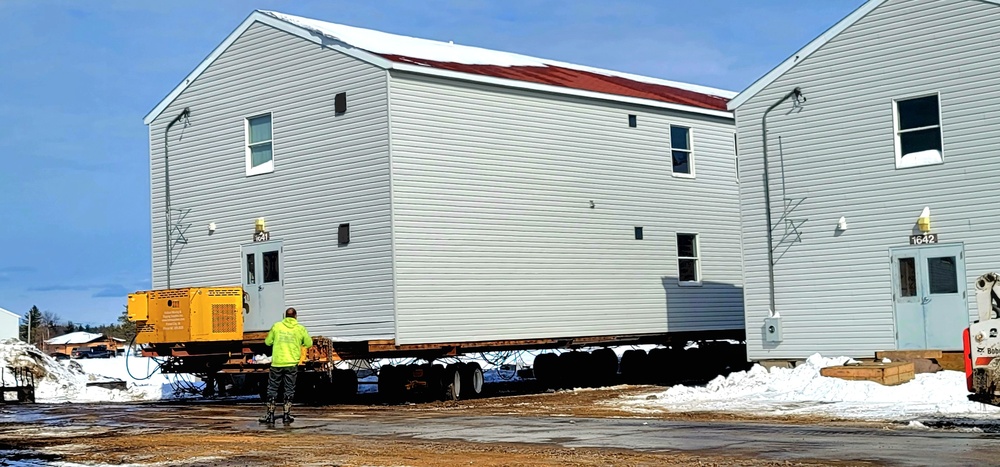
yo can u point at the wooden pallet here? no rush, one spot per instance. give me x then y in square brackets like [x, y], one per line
[889, 374]
[949, 360]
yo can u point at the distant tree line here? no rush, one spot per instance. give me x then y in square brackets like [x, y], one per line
[45, 325]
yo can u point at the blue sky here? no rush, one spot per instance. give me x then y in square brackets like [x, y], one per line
[77, 78]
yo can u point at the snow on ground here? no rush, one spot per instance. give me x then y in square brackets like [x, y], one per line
[803, 391]
[66, 380]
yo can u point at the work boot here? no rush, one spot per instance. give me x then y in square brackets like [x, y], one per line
[287, 418]
[269, 417]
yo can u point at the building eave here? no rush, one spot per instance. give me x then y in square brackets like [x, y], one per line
[384, 63]
[260, 17]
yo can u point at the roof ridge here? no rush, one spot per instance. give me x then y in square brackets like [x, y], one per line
[513, 58]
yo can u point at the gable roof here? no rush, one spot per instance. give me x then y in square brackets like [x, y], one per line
[78, 337]
[776, 72]
[403, 53]
[10, 313]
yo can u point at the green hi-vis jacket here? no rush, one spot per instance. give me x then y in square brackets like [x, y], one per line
[287, 337]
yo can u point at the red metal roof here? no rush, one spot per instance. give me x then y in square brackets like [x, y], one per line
[578, 79]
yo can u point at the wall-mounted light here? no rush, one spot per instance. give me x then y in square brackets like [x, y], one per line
[592, 204]
[842, 224]
[259, 225]
[211, 228]
[924, 221]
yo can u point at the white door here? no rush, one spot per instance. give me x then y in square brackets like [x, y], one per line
[263, 283]
[929, 296]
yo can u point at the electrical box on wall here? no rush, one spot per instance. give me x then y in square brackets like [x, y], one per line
[772, 329]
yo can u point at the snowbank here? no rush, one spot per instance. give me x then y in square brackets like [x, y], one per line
[803, 391]
[66, 380]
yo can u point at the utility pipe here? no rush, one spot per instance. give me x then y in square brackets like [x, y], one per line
[166, 181]
[797, 92]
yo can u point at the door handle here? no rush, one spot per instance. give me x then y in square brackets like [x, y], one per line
[925, 300]
[260, 288]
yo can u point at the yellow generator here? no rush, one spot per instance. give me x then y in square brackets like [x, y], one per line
[197, 314]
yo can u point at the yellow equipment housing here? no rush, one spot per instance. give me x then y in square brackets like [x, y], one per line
[197, 314]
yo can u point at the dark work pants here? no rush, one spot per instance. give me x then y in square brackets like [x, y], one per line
[279, 375]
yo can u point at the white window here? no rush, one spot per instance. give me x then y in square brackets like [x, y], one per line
[688, 264]
[259, 149]
[680, 151]
[918, 131]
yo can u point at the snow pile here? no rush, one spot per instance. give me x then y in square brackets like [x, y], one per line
[803, 391]
[66, 381]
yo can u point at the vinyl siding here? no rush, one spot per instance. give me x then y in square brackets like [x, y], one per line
[329, 169]
[10, 325]
[495, 237]
[834, 291]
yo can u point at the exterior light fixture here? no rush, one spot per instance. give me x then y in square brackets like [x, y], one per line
[924, 221]
[260, 225]
[842, 224]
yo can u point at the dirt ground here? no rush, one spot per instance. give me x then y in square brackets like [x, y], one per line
[293, 449]
[203, 437]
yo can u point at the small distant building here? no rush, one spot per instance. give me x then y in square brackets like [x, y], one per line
[9, 324]
[67, 343]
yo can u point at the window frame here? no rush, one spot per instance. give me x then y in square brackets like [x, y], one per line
[897, 142]
[696, 258]
[268, 166]
[689, 151]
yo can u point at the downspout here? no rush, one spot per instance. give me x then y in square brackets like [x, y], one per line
[166, 181]
[797, 92]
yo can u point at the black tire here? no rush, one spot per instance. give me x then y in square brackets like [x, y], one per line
[572, 369]
[472, 380]
[544, 369]
[633, 366]
[605, 366]
[344, 385]
[389, 384]
[434, 375]
[661, 366]
[452, 382]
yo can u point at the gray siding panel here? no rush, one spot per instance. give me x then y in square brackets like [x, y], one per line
[834, 292]
[329, 169]
[495, 237]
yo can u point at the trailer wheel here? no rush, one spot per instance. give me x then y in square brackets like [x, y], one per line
[572, 369]
[389, 383]
[452, 383]
[659, 363]
[605, 364]
[544, 369]
[345, 385]
[634, 366]
[434, 376]
[472, 380]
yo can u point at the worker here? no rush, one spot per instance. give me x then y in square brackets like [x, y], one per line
[287, 339]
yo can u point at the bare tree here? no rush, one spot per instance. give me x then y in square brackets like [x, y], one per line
[50, 325]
